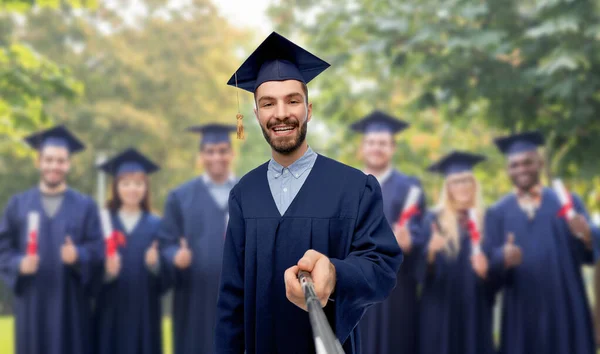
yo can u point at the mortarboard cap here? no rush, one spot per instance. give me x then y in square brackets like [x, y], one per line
[456, 162]
[213, 133]
[378, 121]
[518, 143]
[58, 136]
[128, 161]
[277, 59]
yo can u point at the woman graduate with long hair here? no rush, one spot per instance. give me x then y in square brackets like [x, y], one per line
[128, 311]
[457, 300]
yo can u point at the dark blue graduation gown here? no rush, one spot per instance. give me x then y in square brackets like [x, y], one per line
[456, 305]
[545, 303]
[391, 326]
[338, 212]
[52, 307]
[192, 212]
[128, 310]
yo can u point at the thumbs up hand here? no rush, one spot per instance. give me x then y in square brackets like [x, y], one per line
[68, 251]
[437, 241]
[183, 257]
[152, 255]
[512, 253]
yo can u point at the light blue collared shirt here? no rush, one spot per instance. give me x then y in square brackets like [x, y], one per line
[219, 192]
[285, 182]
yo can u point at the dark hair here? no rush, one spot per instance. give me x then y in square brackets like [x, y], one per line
[115, 202]
[304, 89]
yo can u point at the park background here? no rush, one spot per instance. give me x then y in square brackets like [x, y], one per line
[125, 73]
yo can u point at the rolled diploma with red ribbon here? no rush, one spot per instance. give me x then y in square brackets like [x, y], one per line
[474, 232]
[107, 229]
[565, 199]
[33, 226]
[411, 207]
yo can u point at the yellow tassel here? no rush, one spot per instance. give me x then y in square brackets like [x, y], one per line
[240, 126]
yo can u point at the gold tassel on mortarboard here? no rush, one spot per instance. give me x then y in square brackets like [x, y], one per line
[239, 116]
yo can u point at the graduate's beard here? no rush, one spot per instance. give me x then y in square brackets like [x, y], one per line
[286, 148]
[53, 185]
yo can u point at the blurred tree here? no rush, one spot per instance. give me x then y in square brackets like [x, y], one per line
[147, 78]
[514, 65]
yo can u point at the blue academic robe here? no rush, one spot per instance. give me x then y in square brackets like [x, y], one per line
[456, 306]
[391, 326]
[337, 212]
[52, 307]
[128, 311]
[191, 212]
[545, 303]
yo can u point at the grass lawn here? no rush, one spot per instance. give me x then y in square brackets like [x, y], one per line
[7, 338]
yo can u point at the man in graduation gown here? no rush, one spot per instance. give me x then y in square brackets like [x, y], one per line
[390, 327]
[49, 270]
[536, 254]
[299, 211]
[192, 236]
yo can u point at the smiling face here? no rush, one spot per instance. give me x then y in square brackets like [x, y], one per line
[54, 164]
[461, 189]
[377, 150]
[132, 189]
[216, 159]
[283, 114]
[524, 169]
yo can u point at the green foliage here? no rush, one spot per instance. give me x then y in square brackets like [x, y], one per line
[485, 67]
[145, 83]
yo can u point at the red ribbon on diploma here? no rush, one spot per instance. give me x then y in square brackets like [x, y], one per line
[32, 243]
[475, 236]
[115, 240]
[564, 210]
[407, 214]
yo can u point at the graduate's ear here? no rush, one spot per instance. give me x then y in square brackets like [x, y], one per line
[309, 111]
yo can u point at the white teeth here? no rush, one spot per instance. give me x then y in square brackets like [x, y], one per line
[282, 129]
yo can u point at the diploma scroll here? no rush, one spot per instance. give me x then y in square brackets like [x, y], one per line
[33, 227]
[411, 206]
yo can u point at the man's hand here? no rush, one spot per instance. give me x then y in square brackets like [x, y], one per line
[581, 228]
[322, 273]
[68, 252]
[512, 253]
[183, 257]
[29, 264]
[403, 237]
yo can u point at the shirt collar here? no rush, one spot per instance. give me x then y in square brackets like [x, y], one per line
[298, 168]
[384, 176]
[535, 192]
[209, 182]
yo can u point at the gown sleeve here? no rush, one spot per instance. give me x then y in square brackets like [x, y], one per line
[368, 274]
[90, 252]
[171, 229]
[161, 273]
[584, 254]
[493, 247]
[229, 331]
[423, 268]
[412, 261]
[10, 256]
